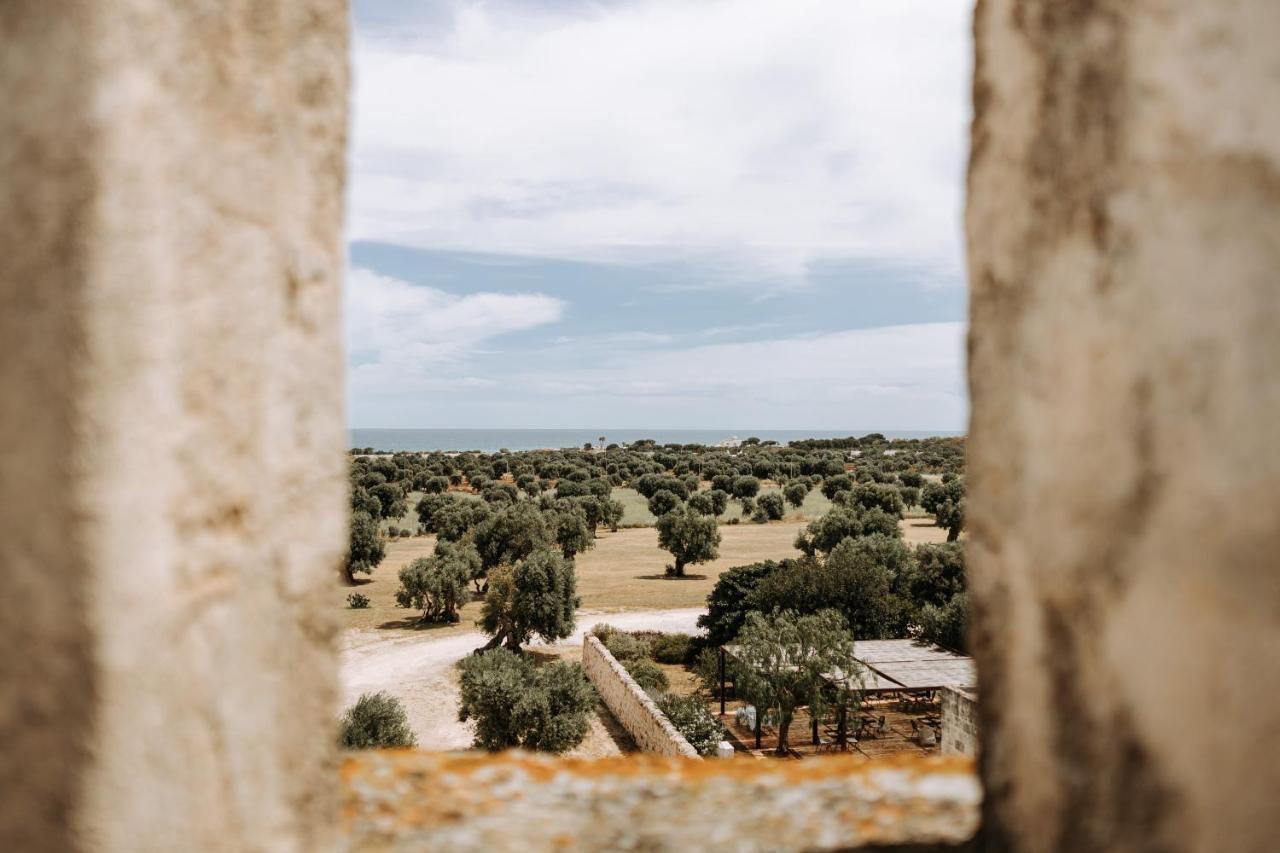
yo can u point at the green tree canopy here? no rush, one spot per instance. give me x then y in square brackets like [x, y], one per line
[536, 595]
[690, 537]
[946, 625]
[857, 579]
[516, 704]
[730, 599]
[746, 487]
[945, 502]
[772, 505]
[663, 502]
[782, 659]
[796, 492]
[569, 522]
[365, 549]
[391, 499]
[512, 533]
[437, 585]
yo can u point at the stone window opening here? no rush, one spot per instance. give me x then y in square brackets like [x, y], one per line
[170, 334]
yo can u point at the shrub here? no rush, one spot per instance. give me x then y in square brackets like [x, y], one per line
[516, 704]
[647, 674]
[671, 648]
[357, 601]
[404, 533]
[602, 631]
[946, 625]
[692, 719]
[376, 720]
[625, 647]
[393, 532]
[772, 505]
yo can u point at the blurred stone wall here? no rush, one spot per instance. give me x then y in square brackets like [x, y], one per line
[1124, 251]
[172, 422]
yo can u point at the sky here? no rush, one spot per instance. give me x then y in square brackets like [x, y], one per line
[658, 214]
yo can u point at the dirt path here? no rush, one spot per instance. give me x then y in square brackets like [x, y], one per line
[417, 668]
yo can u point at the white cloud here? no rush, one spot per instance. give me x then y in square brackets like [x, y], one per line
[403, 337]
[757, 133]
[895, 377]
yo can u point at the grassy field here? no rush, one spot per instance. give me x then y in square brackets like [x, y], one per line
[623, 572]
[637, 507]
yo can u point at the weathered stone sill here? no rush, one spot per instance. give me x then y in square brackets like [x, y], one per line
[405, 799]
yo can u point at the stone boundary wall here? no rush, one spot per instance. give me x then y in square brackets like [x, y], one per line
[959, 722]
[630, 705]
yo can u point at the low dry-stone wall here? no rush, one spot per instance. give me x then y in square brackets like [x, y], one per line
[632, 707]
[959, 722]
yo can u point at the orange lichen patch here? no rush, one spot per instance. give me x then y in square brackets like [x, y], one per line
[514, 800]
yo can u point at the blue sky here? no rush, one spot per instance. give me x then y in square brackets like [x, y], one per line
[658, 213]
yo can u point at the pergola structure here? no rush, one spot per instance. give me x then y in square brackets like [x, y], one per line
[889, 666]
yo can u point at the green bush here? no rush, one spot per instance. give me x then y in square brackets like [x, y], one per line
[626, 647]
[404, 533]
[517, 704]
[692, 719]
[356, 601]
[671, 648]
[946, 625]
[647, 674]
[375, 721]
[603, 631]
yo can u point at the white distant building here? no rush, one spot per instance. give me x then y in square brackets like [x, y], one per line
[731, 442]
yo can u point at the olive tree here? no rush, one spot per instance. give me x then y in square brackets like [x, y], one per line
[663, 502]
[365, 548]
[796, 492]
[511, 534]
[569, 526]
[782, 661]
[391, 499]
[516, 704]
[746, 487]
[945, 502]
[536, 595]
[690, 537]
[437, 585]
[701, 502]
[771, 505]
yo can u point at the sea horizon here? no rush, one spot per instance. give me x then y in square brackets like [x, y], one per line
[493, 440]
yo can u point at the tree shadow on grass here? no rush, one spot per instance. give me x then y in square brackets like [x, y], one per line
[670, 578]
[357, 582]
[415, 623]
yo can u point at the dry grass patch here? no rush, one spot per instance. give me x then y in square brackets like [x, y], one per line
[625, 571]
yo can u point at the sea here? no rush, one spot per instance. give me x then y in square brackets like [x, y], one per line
[493, 440]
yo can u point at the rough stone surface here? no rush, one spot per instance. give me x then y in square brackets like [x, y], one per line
[405, 800]
[1124, 240]
[630, 705]
[959, 722]
[170, 356]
